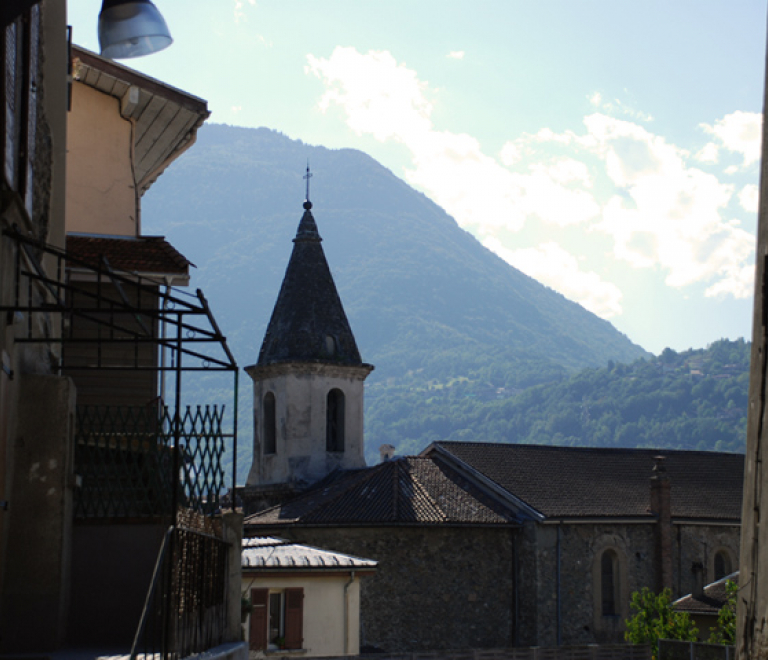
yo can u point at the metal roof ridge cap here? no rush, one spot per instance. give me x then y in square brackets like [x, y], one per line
[470, 472]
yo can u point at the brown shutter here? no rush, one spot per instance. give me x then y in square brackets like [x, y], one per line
[294, 618]
[257, 638]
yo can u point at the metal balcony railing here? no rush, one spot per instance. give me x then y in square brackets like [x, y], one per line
[186, 608]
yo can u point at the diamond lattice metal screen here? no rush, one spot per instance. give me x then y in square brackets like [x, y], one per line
[124, 460]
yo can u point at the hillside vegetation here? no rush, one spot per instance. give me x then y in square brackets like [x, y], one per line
[695, 399]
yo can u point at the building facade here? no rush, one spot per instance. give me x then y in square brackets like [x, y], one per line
[91, 471]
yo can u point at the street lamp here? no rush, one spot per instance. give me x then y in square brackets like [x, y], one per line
[131, 28]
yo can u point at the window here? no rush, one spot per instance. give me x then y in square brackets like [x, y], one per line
[277, 619]
[609, 583]
[270, 424]
[722, 565]
[334, 421]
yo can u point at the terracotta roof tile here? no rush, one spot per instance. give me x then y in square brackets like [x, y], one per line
[147, 254]
[607, 482]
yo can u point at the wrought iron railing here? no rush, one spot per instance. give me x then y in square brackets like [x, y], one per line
[186, 608]
[131, 461]
[88, 321]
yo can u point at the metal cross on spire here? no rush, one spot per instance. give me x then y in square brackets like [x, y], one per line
[308, 176]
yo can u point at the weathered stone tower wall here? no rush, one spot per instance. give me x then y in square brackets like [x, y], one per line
[299, 453]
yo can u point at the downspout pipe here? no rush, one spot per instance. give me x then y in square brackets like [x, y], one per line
[346, 612]
[559, 583]
[163, 334]
[515, 589]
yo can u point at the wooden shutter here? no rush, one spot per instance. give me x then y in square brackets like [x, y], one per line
[294, 618]
[257, 637]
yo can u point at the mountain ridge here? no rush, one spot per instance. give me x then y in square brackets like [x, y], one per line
[424, 298]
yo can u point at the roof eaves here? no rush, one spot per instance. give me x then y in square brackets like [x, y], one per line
[132, 77]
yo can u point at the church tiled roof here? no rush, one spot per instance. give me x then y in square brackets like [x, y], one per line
[146, 254]
[308, 322]
[409, 490]
[580, 482]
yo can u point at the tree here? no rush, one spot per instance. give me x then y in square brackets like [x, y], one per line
[725, 630]
[655, 619]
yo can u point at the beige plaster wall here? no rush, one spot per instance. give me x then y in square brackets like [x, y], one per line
[101, 190]
[301, 393]
[324, 610]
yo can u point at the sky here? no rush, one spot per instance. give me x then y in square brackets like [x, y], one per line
[608, 149]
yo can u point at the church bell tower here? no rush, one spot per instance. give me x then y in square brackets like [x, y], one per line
[308, 381]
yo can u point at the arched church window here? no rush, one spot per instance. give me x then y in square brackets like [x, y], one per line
[609, 583]
[270, 424]
[334, 421]
[723, 565]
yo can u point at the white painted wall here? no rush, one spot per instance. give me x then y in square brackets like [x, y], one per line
[324, 610]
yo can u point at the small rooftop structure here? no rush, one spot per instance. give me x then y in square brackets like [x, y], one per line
[710, 602]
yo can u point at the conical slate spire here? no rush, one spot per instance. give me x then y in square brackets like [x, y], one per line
[308, 322]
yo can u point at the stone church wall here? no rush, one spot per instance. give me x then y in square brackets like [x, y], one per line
[435, 587]
[580, 619]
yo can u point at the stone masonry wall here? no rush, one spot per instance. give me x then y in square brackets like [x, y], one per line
[435, 588]
[700, 543]
[581, 548]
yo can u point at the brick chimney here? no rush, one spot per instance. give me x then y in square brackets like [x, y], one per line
[661, 507]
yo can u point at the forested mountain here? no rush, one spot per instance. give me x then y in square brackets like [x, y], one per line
[436, 312]
[696, 399]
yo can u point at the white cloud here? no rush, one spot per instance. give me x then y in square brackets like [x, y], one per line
[617, 107]
[740, 283]
[664, 213]
[239, 9]
[749, 198]
[709, 153]
[739, 132]
[456, 55]
[552, 265]
[616, 177]
[379, 96]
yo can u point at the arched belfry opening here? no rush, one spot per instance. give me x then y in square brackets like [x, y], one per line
[334, 421]
[308, 380]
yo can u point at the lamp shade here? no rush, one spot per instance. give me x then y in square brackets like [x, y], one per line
[131, 28]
